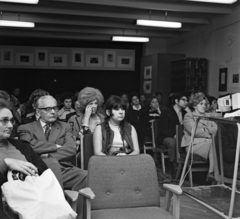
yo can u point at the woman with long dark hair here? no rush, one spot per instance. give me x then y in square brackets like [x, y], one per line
[115, 136]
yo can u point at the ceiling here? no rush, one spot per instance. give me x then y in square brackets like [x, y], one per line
[101, 19]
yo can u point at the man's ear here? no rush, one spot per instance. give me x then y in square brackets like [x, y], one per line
[176, 101]
[107, 112]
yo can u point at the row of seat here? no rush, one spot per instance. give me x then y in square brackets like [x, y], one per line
[196, 164]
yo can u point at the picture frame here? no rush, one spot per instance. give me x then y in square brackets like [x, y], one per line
[94, 61]
[223, 79]
[125, 62]
[24, 59]
[110, 59]
[147, 87]
[6, 56]
[148, 72]
[41, 57]
[58, 60]
[77, 58]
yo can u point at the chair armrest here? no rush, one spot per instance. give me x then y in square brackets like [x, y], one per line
[173, 188]
[87, 192]
[72, 195]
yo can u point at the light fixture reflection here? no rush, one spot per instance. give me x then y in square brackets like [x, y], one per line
[215, 1]
[6, 23]
[130, 39]
[21, 1]
[152, 23]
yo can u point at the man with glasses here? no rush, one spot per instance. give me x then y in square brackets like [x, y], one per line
[53, 140]
[167, 126]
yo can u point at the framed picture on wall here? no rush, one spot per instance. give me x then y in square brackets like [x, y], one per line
[148, 72]
[41, 57]
[125, 62]
[223, 79]
[77, 58]
[58, 60]
[6, 56]
[110, 59]
[24, 59]
[94, 61]
[147, 87]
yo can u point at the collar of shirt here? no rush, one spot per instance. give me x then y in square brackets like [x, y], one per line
[135, 108]
[177, 110]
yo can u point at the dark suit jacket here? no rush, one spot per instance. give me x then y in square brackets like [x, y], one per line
[60, 134]
[31, 157]
[28, 119]
[167, 124]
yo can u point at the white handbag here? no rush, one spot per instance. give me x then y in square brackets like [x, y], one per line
[38, 197]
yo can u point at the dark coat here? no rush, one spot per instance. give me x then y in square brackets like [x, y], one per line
[167, 124]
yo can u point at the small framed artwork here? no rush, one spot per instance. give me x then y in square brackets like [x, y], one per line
[147, 87]
[94, 61]
[148, 72]
[24, 59]
[223, 79]
[6, 56]
[110, 59]
[125, 62]
[77, 58]
[235, 80]
[41, 57]
[58, 60]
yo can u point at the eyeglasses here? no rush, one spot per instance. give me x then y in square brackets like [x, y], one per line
[6, 121]
[185, 100]
[49, 109]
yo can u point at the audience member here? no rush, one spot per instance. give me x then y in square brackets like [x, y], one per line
[53, 140]
[143, 100]
[31, 111]
[169, 118]
[212, 106]
[15, 97]
[206, 129]
[159, 96]
[14, 154]
[125, 99]
[6, 96]
[134, 111]
[149, 114]
[66, 100]
[115, 136]
[88, 117]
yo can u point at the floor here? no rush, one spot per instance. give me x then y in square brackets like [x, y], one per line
[190, 209]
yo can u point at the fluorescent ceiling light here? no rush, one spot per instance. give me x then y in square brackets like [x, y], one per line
[16, 24]
[215, 1]
[130, 39]
[152, 23]
[21, 1]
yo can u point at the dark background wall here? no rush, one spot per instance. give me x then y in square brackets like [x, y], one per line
[59, 81]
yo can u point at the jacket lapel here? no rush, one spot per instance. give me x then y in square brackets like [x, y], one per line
[55, 130]
[38, 131]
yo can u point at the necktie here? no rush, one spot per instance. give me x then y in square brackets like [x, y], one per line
[47, 131]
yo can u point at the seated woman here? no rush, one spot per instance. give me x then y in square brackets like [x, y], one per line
[202, 144]
[115, 136]
[88, 117]
[15, 154]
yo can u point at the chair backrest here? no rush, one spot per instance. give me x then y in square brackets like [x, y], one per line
[179, 135]
[123, 181]
[154, 131]
[87, 149]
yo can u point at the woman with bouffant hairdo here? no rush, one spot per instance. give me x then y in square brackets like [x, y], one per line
[90, 100]
[206, 129]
